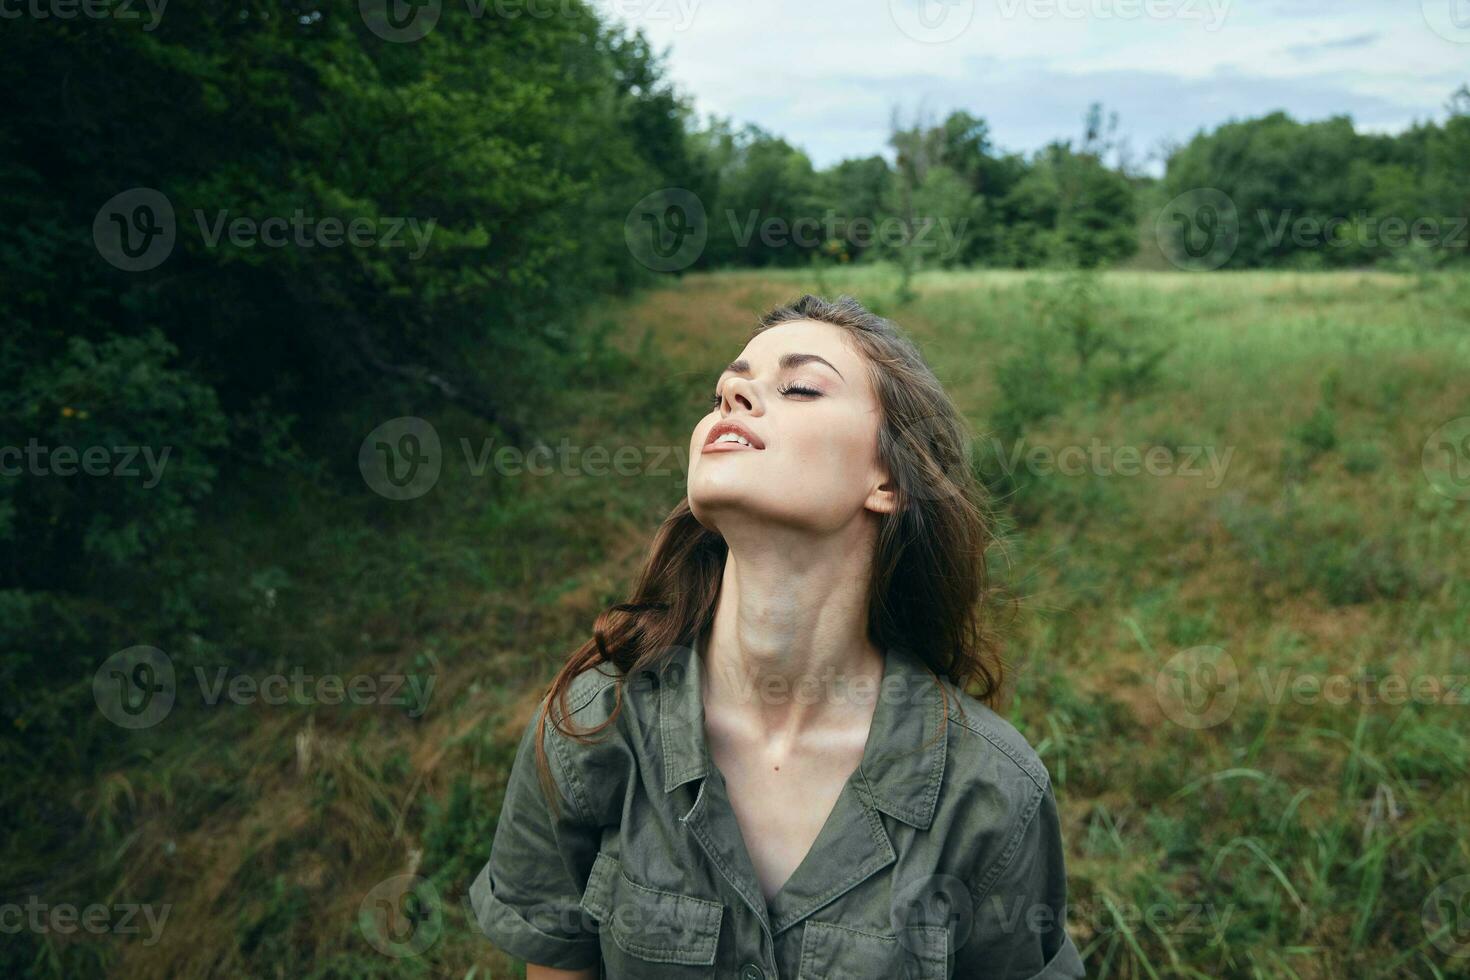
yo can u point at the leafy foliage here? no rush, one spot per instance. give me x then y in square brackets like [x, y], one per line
[1323, 194]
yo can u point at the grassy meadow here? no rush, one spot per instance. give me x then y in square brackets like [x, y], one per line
[1204, 652]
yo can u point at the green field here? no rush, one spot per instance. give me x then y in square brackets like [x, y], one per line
[1220, 521]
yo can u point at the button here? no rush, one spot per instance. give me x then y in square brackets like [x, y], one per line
[751, 972]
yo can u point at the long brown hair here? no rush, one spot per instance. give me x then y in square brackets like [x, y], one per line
[928, 590]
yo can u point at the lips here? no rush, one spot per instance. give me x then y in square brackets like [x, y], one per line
[730, 425]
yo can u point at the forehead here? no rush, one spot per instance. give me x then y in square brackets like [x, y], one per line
[804, 337]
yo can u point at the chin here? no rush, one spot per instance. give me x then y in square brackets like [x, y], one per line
[706, 503]
[725, 507]
[712, 492]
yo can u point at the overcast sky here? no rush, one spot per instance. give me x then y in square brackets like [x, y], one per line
[826, 74]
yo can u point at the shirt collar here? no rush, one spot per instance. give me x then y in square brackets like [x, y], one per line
[903, 761]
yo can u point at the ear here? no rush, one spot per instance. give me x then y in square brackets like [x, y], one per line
[884, 497]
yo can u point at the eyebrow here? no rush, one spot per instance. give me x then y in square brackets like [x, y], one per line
[788, 361]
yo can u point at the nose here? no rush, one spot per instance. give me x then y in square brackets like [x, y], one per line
[740, 391]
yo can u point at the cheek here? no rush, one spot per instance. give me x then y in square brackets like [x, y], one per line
[839, 453]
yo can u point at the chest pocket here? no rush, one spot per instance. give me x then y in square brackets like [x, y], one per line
[833, 952]
[654, 933]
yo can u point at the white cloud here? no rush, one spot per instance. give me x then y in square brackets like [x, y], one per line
[826, 74]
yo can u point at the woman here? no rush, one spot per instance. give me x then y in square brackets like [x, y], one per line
[764, 765]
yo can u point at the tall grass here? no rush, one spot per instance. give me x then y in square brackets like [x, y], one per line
[1296, 836]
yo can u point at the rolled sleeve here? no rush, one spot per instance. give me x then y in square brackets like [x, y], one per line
[527, 898]
[1020, 930]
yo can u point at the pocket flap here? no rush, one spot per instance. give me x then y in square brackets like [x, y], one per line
[1065, 964]
[651, 923]
[833, 952]
[597, 896]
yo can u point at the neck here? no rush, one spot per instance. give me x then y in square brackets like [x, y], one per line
[789, 639]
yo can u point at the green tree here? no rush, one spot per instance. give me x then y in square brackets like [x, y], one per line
[1069, 209]
[767, 209]
[487, 168]
[853, 193]
[1284, 179]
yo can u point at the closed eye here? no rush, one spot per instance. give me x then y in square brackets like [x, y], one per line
[799, 390]
[716, 398]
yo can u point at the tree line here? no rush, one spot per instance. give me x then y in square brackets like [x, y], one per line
[1269, 192]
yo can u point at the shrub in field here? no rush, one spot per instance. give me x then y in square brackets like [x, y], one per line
[1297, 546]
[1314, 436]
[120, 446]
[1080, 348]
[1360, 458]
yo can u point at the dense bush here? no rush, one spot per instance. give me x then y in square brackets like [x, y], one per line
[149, 357]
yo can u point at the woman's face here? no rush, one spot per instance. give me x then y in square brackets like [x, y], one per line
[804, 402]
